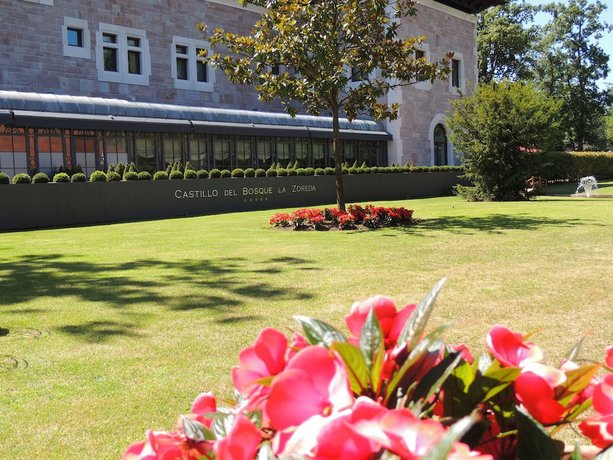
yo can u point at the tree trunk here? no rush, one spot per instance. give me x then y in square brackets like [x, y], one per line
[338, 158]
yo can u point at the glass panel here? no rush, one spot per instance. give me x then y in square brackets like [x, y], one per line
[110, 59]
[349, 152]
[201, 68]
[134, 62]
[198, 152]
[302, 152]
[182, 69]
[264, 147]
[181, 49]
[145, 153]
[319, 154]
[85, 154]
[109, 38]
[455, 73]
[172, 150]
[243, 152]
[74, 37]
[357, 74]
[284, 150]
[222, 150]
[440, 146]
[133, 41]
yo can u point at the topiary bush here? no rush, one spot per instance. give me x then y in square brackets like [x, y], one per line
[271, 173]
[310, 171]
[215, 174]
[249, 172]
[22, 178]
[78, 177]
[281, 172]
[238, 172]
[61, 178]
[226, 174]
[301, 172]
[144, 175]
[176, 175]
[202, 174]
[292, 172]
[119, 169]
[40, 178]
[112, 176]
[97, 176]
[130, 176]
[190, 174]
[352, 170]
[5, 179]
[260, 172]
[160, 175]
[319, 171]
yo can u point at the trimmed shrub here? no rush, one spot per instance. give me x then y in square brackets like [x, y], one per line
[188, 167]
[78, 177]
[215, 173]
[310, 171]
[190, 174]
[289, 166]
[97, 176]
[160, 175]
[238, 172]
[5, 179]
[301, 172]
[168, 170]
[119, 169]
[202, 174]
[352, 170]
[112, 176]
[329, 171]
[132, 168]
[374, 170]
[291, 172]
[61, 178]
[570, 165]
[271, 173]
[367, 170]
[22, 178]
[144, 175]
[226, 174]
[319, 171]
[249, 172]
[281, 172]
[130, 175]
[260, 172]
[110, 169]
[40, 178]
[176, 175]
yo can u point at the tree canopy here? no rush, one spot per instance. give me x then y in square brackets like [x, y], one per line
[332, 57]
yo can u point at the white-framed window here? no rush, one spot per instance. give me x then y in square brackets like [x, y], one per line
[122, 55]
[457, 81]
[41, 2]
[75, 38]
[423, 52]
[187, 68]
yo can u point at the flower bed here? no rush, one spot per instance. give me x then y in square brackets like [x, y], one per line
[356, 217]
[391, 390]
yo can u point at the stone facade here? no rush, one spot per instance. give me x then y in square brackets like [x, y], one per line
[33, 57]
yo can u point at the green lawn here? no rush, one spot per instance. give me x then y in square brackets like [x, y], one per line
[115, 329]
[604, 188]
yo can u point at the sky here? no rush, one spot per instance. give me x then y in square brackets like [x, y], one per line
[606, 42]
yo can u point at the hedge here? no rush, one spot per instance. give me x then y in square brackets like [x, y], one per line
[571, 165]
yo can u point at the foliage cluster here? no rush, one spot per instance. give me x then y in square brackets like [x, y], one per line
[392, 390]
[570, 165]
[355, 217]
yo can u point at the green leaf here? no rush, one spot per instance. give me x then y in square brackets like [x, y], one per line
[193, 429]
[533, 441]
[433, 380]
[576, 454]
[574, 351]
[318, 332]
[453, 435]
[576, 380]
[359, 376]
[373, 347]
[416, 324]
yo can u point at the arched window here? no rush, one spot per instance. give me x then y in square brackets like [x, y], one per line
[440, 145]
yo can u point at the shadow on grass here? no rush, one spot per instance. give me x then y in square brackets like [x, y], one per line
[221, 286]
[494, 223]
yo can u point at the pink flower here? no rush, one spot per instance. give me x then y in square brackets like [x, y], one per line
[166, 446]
[599, 430]
[609, 356]
[510, 348]
[241, 443]
[602, 398]
[203, 405]
[391, 320]
[298, 342]
[537, 395]
[265, 358]
[313, 383]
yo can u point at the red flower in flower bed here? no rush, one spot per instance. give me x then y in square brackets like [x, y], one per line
[370, 217]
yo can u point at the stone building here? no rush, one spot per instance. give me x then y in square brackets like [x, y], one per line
[94, 82]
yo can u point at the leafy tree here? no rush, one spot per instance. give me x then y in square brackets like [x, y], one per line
[609, 129]
[570, 64]
[494, 128]
[506, 42]
[317, 47]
